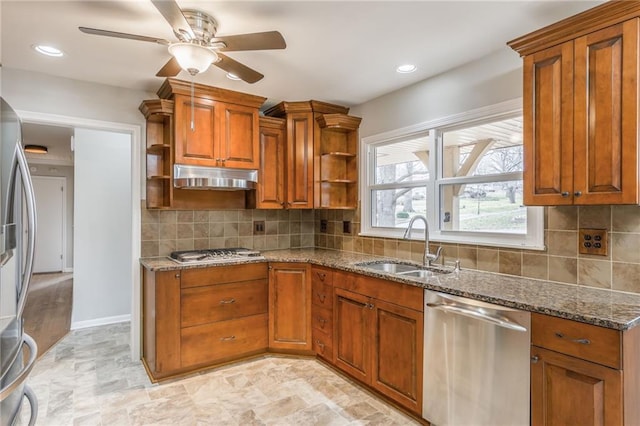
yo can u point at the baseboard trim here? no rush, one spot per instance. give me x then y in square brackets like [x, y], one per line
[77, 325]
[67, 269]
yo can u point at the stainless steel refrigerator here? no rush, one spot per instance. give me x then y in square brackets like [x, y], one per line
[17, 242]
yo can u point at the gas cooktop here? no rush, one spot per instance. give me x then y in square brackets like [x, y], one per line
[195, 257]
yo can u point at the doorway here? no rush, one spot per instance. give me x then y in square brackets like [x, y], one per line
[50, 195]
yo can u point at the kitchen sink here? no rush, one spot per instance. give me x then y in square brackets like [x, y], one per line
[404, 269]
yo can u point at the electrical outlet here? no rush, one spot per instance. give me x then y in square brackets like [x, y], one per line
[323, 225]
[258, 227]
[592, 241]
[346, 227]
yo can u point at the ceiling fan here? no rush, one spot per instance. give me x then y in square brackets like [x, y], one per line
[198, 47]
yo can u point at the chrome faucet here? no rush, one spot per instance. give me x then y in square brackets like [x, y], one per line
[428, 257]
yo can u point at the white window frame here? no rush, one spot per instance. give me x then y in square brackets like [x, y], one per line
[532, 240]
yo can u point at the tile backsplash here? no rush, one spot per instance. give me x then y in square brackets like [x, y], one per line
[619, 270]
[166, 231]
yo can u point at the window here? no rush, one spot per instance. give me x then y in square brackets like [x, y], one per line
[463, 173]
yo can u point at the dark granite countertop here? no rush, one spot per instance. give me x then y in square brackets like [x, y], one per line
[606, 308]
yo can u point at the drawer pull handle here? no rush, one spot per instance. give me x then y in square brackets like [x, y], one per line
[321, 276]
[227, 301]
[227, 339]
[322, 297]
[322, 322]
[581, 341]
[320, 345]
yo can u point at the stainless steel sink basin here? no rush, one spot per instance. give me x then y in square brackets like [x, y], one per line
[404, 269]
[390, 267]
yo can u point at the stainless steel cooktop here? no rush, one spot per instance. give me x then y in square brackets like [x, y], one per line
[192, 257]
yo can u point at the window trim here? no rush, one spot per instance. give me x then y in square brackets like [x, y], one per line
[532, 240]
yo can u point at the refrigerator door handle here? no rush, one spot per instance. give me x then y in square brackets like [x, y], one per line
[30, 200]
[33, 402]
[33, 353]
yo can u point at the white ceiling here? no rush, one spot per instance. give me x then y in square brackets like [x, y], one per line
[344, 52]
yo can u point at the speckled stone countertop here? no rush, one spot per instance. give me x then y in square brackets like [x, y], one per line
[606, 308]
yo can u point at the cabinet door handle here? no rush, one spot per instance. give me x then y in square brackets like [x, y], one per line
[535, 359]
[228, 338]
[322, 322]
[321, 275]
[581, 341]
[178, 275]
[577, 193]
[322, 297]
[370, 305]
[227, 301]
[320, 345]
[565, 194]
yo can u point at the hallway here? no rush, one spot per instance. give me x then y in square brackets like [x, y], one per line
[47, 314]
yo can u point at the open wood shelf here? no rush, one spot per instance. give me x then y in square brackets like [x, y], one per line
[339, 154]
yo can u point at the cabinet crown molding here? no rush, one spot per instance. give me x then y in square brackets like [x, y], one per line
[156, 106]
[339, 121]
[284, 108]
[173, 86]
[594, 19]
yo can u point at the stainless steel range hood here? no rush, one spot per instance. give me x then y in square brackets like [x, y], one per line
[213, 178]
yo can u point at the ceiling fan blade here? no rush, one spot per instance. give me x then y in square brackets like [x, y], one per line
[173, 14]
[254, 41]
[170, 69]
[116, 34]
[234, 67]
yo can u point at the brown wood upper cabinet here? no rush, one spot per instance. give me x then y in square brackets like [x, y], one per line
[271, 192]
[319, 170]
[290, 307]
[580, 106]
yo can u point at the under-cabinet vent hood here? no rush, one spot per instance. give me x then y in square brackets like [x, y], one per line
[213, 178]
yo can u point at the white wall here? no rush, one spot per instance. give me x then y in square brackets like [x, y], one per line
[67, 172]
[102, 257]
[490, 80]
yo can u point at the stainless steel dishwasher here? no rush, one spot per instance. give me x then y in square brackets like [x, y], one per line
[476, 363]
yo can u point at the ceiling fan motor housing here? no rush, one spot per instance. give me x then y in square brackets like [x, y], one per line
[202, 24]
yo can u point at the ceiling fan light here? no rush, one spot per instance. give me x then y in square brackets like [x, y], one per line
[232, 76]
[193, 58]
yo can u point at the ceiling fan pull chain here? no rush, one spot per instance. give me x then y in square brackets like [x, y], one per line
[193, 127]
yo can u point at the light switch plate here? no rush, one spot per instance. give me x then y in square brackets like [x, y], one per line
[592, 241]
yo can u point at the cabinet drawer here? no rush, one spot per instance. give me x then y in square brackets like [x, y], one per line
[322, 276]
[201, 305]
[222, 274]
[323, 345]
[205, 344]
[322, 295]
[322, 319]
[597, 344]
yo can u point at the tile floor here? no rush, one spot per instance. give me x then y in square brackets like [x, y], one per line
[88, 378]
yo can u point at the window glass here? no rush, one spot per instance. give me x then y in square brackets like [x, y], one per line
[404, 161]
[486, 207]
[394, 208]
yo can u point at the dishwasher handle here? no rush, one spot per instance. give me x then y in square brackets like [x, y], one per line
[498, 320]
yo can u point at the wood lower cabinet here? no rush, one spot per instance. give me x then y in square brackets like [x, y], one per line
[580, 107]
[195, 318]
[583, 374]
[378, 336]
[290, 307]
[322, 311]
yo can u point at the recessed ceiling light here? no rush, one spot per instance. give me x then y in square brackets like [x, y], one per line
[406, 68]
[47, 50]
[232, 76]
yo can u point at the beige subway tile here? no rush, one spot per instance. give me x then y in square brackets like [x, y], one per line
[625, 218]
[367, 245]
[295, 215]
[625, 247]
[231, 230]
[271, 228]
[149, 216]
[168, 231]
[167, 216]
[390, 248]
[216, 242]
[307, 240]
[562, 218]
[245, 229]
[200, 243]
[308, 227]
[216, 229]
[378, 247]
[259, 215]
[216, 216]
[347, 244]
[259, 242]
[594, 273]
[449, 253]
[562, 243]
[283, 215]
[150, 231]
[488, 260]
[468, 256]
[166, 247]
[200, 216]
[403, 249]
[625, 277]
[321, 240]
[294, 241]
[185, 216]
[563, 269]
[294, 227]
[284, 241]
[201, 230]
[535, 266]
[271, 215]
[358, 244]
[150, 248]
[595, 217]
[231, 216]
[307, 215]
[510, 262]
[230, 242]
[185, 230]
[283, 228]
[184, 244]
[245, 216]
[246, 242]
